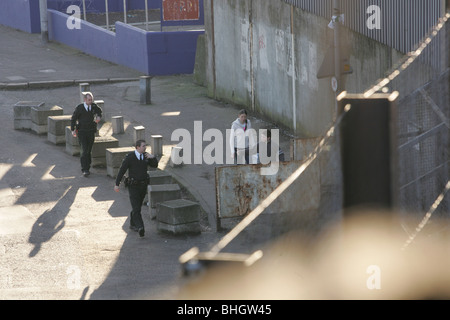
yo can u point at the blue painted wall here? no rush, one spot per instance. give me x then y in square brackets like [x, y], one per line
[90, 38]
[98, 6]
[152, 53]
[21, 14]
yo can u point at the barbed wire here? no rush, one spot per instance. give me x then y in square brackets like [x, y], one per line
[427, 216]
[409, 58]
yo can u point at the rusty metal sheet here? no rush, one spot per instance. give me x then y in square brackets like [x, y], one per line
[302, 148]
[178, 10]
[241, 188]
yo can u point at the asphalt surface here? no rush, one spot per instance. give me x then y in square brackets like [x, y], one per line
[64, 236]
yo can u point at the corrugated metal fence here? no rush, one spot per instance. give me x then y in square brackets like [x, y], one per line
[404, 23]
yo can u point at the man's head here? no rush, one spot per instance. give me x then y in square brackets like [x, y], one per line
[140, 146]
[88, 98]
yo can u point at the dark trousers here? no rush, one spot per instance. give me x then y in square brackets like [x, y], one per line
[86, 141]
[137, 195]
[243, 156]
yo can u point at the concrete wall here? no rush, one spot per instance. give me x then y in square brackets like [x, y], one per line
[258, 57]
[152, 53]
[21, 15]
[313, 200]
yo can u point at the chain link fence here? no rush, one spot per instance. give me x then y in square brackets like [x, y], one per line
[422, 79]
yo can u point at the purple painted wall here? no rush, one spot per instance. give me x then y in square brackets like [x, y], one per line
[152, 53]
[22, 15]
[132, 47]
[98, 6]
[172, 52]
[90, 38]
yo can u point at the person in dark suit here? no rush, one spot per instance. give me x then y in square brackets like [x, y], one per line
[84, 125]
[136, 162]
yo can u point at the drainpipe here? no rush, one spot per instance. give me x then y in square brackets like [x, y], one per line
[44, 21]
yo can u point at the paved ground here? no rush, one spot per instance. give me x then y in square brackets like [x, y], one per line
[64, 236]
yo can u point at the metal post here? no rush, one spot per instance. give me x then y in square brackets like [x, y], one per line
[146, 15]
[145, 90]
[337, 45]
[84, 10]
[107, 14]
[369, 152]
[124, 11]
[44, 21]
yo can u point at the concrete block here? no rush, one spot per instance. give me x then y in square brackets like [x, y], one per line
[160, 193]
[101, 144]
[101, 105]
[117, 124]
[22, 114]
[139, 133]
[156, 144]
[39, 115]
[84, 87]
[178, 229]
[114, 158]
[57, 128]
[178, 211]
[72, 144]
[176, 157]
[160, 177]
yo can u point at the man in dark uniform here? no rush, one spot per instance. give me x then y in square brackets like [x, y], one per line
[84, 125]
[136, 162]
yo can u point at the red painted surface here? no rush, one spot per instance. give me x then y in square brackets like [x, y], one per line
[177, 10]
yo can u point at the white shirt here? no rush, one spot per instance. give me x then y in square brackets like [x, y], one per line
[86, 106]
[138, 155]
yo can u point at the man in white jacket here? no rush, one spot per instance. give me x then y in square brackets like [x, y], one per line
[242, 138]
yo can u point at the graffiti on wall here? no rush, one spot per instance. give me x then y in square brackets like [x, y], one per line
[177, 10]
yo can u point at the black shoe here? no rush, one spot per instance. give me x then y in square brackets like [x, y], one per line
[141, 232]
[134, 228]
[86, 173]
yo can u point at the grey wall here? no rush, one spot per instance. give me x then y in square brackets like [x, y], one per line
[259, 57]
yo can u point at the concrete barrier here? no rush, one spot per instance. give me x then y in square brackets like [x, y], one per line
[114, 158]
[57, 128]
[99, 149]
[160, 193]
[39, 115]
[22, 114]
[84, 87]
[72, 144]
[176, 157]
[101, 105]
[139, 133]
[117, 125]
[156, 144]
[145, 90]
[160, 177]
[178, 216]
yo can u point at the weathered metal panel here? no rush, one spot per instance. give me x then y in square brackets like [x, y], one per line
[240, 189]
[302, 148]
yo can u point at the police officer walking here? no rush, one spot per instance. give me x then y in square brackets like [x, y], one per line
[137, 163]
[84, 125]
